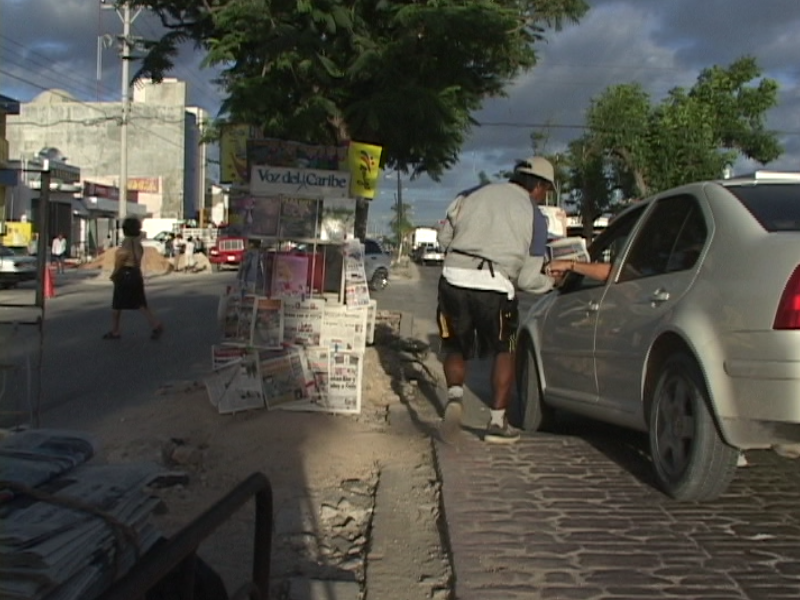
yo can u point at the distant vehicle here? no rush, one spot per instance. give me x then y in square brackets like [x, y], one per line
[377, 264]
[227, 252]
[423, 235]
[431, 255]
[15, 268]
[694, 337]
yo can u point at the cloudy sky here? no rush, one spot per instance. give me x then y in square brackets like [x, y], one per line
[659, 43]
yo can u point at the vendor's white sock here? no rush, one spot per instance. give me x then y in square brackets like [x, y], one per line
[498, 417]
[455, 392]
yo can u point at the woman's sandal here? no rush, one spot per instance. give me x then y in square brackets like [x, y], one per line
[156, 333]
[111, 336]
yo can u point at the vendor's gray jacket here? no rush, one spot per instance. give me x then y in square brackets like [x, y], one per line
[495, 224]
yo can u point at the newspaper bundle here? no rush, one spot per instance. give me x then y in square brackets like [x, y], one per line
[338, 376]
[344, 328]
[49, 550]
[224, 355]
[302, 321]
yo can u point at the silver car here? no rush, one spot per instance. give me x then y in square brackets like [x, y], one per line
[693, 338]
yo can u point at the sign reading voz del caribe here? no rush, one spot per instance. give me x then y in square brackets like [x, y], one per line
[304, 183]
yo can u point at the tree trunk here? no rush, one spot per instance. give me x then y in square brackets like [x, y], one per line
[362, 217]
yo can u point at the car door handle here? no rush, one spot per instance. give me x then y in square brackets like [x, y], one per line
[659, 296]
[592, 306]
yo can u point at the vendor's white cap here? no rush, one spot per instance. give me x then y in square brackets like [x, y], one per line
[538, 166]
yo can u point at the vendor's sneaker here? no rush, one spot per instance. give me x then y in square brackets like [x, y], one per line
[500, 434]
[450, 428]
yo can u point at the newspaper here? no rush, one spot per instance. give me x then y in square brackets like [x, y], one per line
[286, 377]
[237, 387]
[238, 325]
[267, 325]
[318, 363]
[372, 316]
[356, 290]
[48, 550]
[344, 382]
[568, 248]
[224, 355]
[36, 456]
[344, 328]
[302, 321]
[338, 219]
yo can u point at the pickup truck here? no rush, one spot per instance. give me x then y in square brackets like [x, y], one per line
[227, 252]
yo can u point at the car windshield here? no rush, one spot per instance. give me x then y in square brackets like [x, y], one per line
[776, 206]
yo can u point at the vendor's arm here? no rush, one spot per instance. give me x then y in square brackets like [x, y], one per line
[595, 270]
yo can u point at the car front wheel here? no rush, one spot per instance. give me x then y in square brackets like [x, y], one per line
[528, 410]
[691, 460]
[379, 281]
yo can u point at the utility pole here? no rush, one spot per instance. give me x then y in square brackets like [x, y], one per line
[127, 44]
[399, 217]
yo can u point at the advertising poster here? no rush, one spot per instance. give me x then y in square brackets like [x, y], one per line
[253, 215]
[364, 161]
[283, 153]
[302, 321]
[338, 219]
[233, 151]
[300, 218]
[267, 331]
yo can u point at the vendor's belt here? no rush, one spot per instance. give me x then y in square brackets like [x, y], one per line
[483, 259]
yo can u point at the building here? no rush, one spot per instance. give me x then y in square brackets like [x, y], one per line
[8, 177]
[166, 161]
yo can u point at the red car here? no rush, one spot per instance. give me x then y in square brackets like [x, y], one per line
[227, 251]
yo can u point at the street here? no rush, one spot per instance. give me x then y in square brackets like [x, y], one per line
[83, 374]
[575, 514]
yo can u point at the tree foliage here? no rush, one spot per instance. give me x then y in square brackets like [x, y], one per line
[690, 135]
[402, 74]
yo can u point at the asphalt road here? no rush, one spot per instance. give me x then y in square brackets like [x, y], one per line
[82, 375]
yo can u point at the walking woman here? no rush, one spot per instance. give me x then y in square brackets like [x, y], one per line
[129, 283]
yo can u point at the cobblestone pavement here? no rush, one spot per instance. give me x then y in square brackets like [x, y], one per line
[576, 516]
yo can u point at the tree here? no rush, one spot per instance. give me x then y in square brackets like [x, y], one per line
[690, 135]
[401, 224]
[589, 181]
[404, 75]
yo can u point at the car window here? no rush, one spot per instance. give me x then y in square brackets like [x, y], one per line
[5, 251]
[776, 206]
[606, 248]
[670, 240]
[372, 247]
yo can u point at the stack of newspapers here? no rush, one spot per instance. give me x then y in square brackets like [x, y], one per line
[68, 529]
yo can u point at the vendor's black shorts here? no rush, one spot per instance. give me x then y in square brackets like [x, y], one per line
[476, 322]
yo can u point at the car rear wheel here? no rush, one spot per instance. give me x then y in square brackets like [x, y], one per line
[527, 409]
[691, 460]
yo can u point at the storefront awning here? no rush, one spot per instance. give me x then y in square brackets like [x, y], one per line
[103, 207]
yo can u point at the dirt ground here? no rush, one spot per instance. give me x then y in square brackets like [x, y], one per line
[324, 470]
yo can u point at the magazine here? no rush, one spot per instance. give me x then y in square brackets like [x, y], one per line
[302, 321]
[344, 328]
[267, 331]
[290, 276]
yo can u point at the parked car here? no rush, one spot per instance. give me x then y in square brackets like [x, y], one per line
[431, 255]
[377, 264]
[227, 252]
[15, 267]
[694, 337]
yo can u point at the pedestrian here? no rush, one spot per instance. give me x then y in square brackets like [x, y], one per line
[108, 243]
[129, 282]
[177, 249]
[189, 251]
[58, 251]
[494, 237]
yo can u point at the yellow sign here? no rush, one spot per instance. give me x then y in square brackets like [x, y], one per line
[147, 185]
[233, 152]
[18, 234]
[364, 162]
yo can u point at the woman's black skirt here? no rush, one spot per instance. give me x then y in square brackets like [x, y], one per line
[128, 290]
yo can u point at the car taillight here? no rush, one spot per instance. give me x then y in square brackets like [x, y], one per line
[214, 252]
[788, 314]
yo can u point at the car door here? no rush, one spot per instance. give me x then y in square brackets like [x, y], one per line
[568, 328]
[655, 273]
